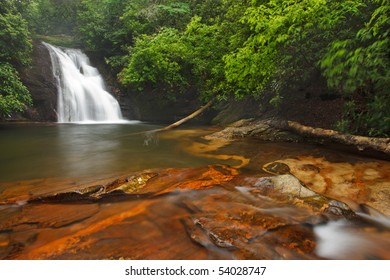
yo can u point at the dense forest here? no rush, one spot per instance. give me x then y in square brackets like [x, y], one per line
[216, 49]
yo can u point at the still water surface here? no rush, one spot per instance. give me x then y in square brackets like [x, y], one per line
[79, 150]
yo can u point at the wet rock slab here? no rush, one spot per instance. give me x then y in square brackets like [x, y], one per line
[260, 129]
[195, 213]
[354, 183]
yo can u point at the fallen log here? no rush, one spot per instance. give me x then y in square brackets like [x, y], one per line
[189, 117]
[361, 142]
[179, 122]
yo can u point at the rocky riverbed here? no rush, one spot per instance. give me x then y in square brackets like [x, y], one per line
[213, 212]
[304, 202]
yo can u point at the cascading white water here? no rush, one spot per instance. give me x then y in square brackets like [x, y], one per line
[82, 96]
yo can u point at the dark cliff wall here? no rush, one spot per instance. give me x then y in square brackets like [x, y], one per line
[152, 107]
[39, 79]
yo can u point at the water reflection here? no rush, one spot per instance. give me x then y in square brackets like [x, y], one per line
[86, 149]
[81, 150]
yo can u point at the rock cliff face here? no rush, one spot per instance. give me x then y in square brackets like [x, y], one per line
[39, 79]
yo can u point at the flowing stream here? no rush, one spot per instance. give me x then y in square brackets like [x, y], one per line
[82, 95]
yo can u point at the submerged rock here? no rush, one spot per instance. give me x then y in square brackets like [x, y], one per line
[276, 168]
[121, 186]
[130, 185]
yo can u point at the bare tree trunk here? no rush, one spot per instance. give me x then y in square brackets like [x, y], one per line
[180, 122]
[189, 117]
[361, 142]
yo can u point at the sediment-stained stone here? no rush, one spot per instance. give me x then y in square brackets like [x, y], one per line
[212, 212]
[353, 183]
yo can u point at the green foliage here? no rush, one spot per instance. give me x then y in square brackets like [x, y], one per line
[267, 47]
[286, 41]
[205, 46]
[52, 17]
[221, 48]
[176, 62]
[156, 61]
[367, 116]
[196, 53]
[6, 6]
[148, 16]
[15, 45]
[173, 14]
[13, 94]
[110, 26]
[100, 25]
[351, 63]
[15, 48]
[359, 67]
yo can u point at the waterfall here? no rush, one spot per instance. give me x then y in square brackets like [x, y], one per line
[82, 96]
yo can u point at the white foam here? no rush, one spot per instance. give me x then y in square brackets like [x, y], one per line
[336, 240]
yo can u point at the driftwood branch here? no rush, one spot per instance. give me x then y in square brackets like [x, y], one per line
[189, 117]
[179, 122]
[361, 142]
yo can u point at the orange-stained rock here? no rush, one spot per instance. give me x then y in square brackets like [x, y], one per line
[192, 213]
[50, 215]
[354, 183]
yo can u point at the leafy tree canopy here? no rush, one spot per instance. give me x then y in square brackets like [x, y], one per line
[14, 96]
[222, 48]
[15, 45]
[219, 48]
[15, 48]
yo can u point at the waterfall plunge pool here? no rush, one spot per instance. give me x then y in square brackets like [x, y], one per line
[34, 151]
[84, 150]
